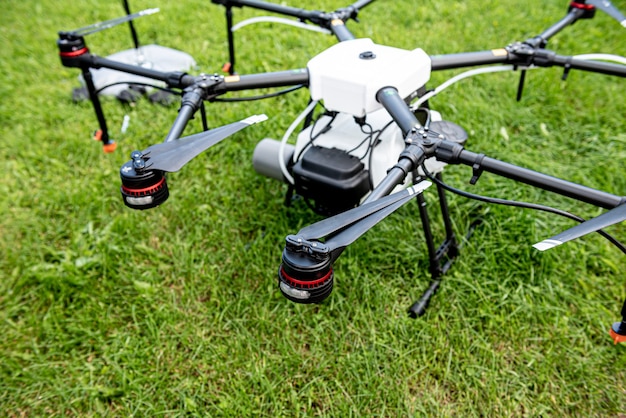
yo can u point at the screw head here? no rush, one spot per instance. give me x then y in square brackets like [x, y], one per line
[139, 164]
[367, 55]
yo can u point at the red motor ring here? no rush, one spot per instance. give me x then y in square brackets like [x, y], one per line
[305, 279]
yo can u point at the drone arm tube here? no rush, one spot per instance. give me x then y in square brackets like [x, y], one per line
[185, 114]
[480, 162]
[339, 29]
[589, 65]
[270, 7]
[191, 102]
[572, 16]
[361, 4]
[264, 80]
[323, 19]
[409, 160]
[397, 108]
[193, 97]
[412, 156]
[180, 79]
[210, 86]
[523, 54]
[469, 59]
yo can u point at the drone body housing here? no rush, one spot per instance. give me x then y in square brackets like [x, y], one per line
[347, 76]
[342, 156]
[335, 163]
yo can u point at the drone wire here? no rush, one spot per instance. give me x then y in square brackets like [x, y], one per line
[602, 57]
[313, 136]
[281, 20]
[460, 77]
[514, 203]
[373, 145]
[285, 138]
[137, 83]
[368, 138]
[260, 97]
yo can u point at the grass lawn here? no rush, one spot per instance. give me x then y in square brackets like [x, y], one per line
[105, 311]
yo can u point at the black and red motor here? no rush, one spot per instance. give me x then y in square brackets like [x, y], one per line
[142, 188]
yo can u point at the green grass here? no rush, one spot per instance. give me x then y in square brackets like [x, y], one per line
[175, 311]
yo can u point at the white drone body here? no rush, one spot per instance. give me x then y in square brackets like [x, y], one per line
[347, 76]
[345, 79]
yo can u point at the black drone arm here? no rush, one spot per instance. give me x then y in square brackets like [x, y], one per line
[75, 54]
[302, 14]
[503, 55]
[576, 11]
[317, 17]
[469, 59]
[523, 55]
[299, 76]
[332, 21]
[412, 156]
[532, 52]
[207, 87]
[422, 144]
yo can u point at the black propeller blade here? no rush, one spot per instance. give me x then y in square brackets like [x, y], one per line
[350, 234]
[615, 215]
[338, 222]
[607, 7]
[345, 228]
[97, 27]
[173, 155]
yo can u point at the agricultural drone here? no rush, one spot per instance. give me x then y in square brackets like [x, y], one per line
[375, 146]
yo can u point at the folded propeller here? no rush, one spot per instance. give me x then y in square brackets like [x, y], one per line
[143, 178]
[100, 26]
[306, 273]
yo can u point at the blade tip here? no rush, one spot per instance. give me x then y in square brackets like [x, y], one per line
[419, 187]
[547, 244]
[255, 119]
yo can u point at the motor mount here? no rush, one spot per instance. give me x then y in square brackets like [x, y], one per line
[306, 273]
[142, 188]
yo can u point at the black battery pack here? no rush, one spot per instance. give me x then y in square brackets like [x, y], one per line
[335, 180]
